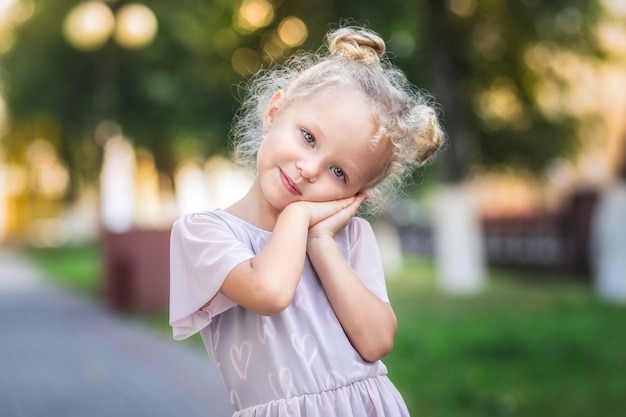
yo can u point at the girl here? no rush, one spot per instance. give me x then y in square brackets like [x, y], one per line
[286, 286]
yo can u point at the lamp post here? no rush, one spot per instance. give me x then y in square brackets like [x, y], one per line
[100, 27]
[89, 25]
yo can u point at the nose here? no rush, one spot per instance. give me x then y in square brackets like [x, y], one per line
[308, 169]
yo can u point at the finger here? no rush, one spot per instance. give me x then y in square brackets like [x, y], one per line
[351, 209]
[345, 202]
[360, 198]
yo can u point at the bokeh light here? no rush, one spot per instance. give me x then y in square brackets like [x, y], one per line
[50, 177]
[89, 25]
[463, 8]
[136, 26]
[500, 105]
[253, 15]
[6, 8]
[245, 61]
[612, 38]
[12, 13]
[292, 31]
[616, 7]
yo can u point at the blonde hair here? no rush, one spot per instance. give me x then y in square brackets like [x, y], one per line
[355, 57]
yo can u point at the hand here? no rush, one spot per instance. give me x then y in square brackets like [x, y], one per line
[333, 224]
[317, 211]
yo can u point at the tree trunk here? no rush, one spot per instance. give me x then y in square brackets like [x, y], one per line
[459, 244]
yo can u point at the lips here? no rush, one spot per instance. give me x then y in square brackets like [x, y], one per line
[289, 184]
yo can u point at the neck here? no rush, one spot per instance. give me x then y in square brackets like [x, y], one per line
[254, 209]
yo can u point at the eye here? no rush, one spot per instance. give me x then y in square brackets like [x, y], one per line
[308, 138]
[338, 172]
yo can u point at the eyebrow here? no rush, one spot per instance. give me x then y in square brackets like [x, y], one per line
[314, 127]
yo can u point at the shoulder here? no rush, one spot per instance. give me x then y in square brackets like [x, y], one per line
[203, 217]
[204, 224]
[216, 227]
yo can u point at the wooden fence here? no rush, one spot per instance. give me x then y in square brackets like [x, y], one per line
[556, 241]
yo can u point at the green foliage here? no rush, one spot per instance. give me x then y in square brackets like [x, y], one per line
[172, 96]
[475, 54]
[177, 96]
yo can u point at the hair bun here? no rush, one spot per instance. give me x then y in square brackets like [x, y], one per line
[357, 44]
[431, 137]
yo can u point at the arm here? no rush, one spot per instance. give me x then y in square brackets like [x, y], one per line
[267, 283]
[368, 321]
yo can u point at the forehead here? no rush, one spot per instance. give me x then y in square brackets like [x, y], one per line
[338, 111]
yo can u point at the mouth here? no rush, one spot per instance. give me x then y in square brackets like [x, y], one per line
[289, 184]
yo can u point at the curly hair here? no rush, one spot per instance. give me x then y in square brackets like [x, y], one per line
[355, 58]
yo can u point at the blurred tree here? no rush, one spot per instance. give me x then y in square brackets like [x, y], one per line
[488, 64]
[172, 96]
[485, 59]
[176, 95]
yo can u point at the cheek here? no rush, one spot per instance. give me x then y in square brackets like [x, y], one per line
[330, 190]
[265, 153]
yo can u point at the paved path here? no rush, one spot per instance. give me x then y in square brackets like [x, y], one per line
[63, 356]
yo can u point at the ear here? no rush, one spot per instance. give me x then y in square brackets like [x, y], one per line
[272, 109]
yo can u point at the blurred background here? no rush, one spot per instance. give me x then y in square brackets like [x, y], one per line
[114, 121]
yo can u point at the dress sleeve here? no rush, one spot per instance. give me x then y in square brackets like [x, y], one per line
[203, 250]
[365, 257]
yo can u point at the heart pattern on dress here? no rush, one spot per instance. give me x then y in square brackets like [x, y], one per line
[265, 329]
[240, 358]
[306, 347]
[281, 383]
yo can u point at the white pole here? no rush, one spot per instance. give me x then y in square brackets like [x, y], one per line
[117, 185]
[608, 244]
[459, 251]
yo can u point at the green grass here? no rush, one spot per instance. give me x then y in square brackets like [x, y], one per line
[527, 346]
[77, 267]
[523, 348]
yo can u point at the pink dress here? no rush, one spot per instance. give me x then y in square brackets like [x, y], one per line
[296, 363]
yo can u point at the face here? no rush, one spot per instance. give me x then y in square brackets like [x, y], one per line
[319, 148]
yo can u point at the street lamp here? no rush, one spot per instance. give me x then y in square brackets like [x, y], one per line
[136, 26]
[89, 25]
